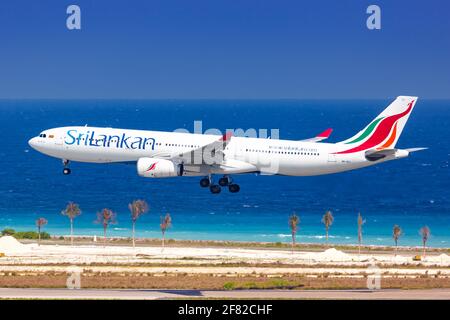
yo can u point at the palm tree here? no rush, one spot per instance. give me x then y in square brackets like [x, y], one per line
[360, 224]
[425, 233]
[40, 223]
[71, 211]
[396, 233]
[137, 208]
[327, 220]
[293, 221]
[106, 217]
[166, 223]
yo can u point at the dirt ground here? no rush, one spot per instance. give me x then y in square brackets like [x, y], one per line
[211, 282]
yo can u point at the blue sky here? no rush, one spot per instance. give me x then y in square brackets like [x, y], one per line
[224, 49]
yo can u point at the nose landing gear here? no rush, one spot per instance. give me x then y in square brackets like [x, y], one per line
[66, 170]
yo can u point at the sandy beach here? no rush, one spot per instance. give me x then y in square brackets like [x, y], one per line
[190, 267]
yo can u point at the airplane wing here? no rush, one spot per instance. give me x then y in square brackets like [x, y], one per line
[212, 151]
[321, 136]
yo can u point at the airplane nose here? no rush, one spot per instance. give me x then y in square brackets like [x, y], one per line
[33, 142]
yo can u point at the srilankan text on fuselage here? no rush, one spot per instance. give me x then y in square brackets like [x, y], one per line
[121, 140]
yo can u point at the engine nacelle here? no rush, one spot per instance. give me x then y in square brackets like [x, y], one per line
[158, 168]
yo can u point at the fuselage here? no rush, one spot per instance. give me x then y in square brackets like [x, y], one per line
[159, 154]
[241, 154]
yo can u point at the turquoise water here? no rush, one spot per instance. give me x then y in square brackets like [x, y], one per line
[410, 192]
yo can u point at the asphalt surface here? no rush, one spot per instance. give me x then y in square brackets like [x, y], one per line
[30, 293]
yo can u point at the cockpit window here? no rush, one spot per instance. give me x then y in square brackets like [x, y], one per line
[43, 135]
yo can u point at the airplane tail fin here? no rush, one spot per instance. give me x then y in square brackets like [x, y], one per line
[383, 132]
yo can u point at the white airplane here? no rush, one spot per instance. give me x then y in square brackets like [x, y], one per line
[169, 154]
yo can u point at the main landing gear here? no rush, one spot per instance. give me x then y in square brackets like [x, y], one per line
[66, 169]
[225, 181]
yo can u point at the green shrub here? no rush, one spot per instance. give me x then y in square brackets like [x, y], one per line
[229, 285]
[26, 235]
[8, 232]
[45, 235]
[31, 235]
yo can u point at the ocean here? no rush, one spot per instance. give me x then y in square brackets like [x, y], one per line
[410, 192]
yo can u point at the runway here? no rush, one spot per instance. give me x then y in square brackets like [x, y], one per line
[30, 293]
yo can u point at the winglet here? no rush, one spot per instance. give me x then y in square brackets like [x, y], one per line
[321, 136]
[227, 136]
[325, 134]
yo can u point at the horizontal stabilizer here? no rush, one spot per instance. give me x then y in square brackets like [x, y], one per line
[375, 155]
[415, 149]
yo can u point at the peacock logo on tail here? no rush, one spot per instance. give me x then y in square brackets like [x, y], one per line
[382, 129]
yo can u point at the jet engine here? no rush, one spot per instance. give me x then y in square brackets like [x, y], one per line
[158, 168]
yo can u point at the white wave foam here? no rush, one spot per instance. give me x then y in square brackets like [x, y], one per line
[281, 235]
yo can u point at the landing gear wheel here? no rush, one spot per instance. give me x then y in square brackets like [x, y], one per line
[66, 170]
[225, 181]
[214, 188]
[204, 183]
[233, 188]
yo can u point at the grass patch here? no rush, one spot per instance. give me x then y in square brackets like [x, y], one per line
[30, 235]
[113, 280]
[266, 284]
